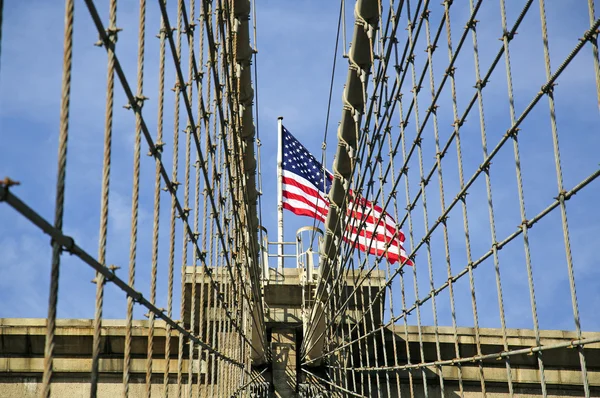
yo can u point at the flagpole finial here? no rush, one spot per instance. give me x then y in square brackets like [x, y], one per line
[280, 118]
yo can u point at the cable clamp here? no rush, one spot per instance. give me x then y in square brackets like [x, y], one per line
[458, 123]
[110, 39]
[113, 269]
[508, 35]
[472, 24]
[548, 88]
[591, 35]
[157, 150]
[6, 183]
[189, 30]
[66, 243]
[480, 84]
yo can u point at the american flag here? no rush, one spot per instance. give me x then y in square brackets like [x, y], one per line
[305, 185]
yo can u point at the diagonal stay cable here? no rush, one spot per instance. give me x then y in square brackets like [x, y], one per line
[68, 244]
[495, 246]
[248, 384]
[191, 122]
[219, 100]
[380, 138]
[486, 163]
[512, 131]
[223, 122]
[171, 185]
[234, 105]
[365, 276]
[476, 358]
[380, 72]
[458, 123]
[378, 135]
[181, 83]
[362, 146]
[324, 142]
[346, 391]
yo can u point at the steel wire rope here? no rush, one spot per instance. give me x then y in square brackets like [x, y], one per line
[223, 123]
[510, 131]
[417, 143]
[459, 122]
[422, 77]
[346, 391]
[245, 386]
[410, 232]
[361, 145]
[350, 248]
[184, 12]
[186, 204]
[256, 112]
[196, 227]
[188, 106]
[324, 144]
[441, 187]
[60, 197]
[258, 142]
[255, 278]
[235, 142]
[594, 40]
[496, 355]
[68, 244]
[186, 196]
[362, 142]
[156, 211]
[563, 207]
[334, 305]
[506, 38]
[472, 27]
[102, 235]
[170, 185]
[388, 272]
[430, 49]
[181, 84]
[172, 225]
[405, 165]
[497, 246]
[364, 139]
[135, 192]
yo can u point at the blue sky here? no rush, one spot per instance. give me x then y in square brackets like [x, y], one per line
[296, 42]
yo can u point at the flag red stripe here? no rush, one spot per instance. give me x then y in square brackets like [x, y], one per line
[371, 235]
[391, 255]
[305, 200]
[303, 212]
[372, 220]
[309, 191]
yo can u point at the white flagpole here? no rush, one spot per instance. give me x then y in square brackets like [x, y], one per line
[280, 195]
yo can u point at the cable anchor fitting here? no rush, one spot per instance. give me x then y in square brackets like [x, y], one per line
[110, 39]
[7, 183]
